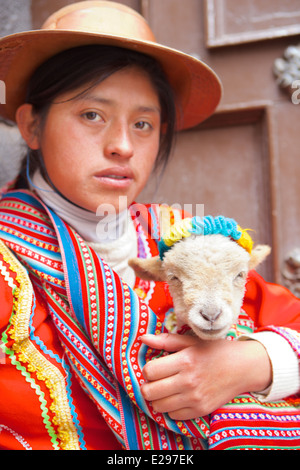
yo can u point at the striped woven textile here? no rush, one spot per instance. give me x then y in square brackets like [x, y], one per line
[99, 320]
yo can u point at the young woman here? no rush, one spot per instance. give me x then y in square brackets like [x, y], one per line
[97, 102]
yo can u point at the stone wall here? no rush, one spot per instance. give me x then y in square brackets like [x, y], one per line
[15, 16]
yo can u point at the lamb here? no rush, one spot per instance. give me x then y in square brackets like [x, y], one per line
[206, 274]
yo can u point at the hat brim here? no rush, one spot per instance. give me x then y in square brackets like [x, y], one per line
[197, 88]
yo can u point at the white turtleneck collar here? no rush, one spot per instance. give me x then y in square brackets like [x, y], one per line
[91, 227]
[113, 237]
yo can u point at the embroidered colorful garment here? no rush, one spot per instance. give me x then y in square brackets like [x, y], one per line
[99, 320]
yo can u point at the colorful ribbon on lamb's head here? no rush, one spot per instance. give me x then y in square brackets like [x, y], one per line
[207, 225]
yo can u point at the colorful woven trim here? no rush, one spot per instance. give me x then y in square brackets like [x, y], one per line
[24, 355]
[99, 321]
[207, 225]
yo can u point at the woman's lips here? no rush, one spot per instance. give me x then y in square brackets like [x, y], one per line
[116, 177]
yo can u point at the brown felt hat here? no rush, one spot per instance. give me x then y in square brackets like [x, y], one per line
[197, 88]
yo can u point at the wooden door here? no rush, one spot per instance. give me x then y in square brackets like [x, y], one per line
[243, 162]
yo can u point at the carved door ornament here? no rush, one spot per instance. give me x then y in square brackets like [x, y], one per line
[287, 70]
[291, 272]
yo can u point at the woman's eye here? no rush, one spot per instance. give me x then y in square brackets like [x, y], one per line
[92, 116]
[143, 125]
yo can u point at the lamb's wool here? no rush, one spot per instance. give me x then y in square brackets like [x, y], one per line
[207, 225]
[206, 263]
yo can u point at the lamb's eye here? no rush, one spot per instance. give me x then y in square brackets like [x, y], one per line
[241, 275]
[174, 278]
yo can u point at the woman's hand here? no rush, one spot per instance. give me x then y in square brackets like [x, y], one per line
[201, 376]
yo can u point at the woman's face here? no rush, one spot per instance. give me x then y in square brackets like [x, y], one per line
[104, 143]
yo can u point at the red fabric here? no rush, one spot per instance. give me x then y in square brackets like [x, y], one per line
[20, 413]
[270, 304]
[21, 422]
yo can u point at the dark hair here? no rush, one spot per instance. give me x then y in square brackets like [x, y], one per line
[90, 65]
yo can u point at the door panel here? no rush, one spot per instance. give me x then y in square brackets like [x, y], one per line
[244, 162]
[225, 168]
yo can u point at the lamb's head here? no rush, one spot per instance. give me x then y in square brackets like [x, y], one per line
[206, 277]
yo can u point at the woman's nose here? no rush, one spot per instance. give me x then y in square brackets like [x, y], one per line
[119, 143]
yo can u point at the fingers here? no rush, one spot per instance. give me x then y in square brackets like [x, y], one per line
[161, 389]
[168, 405]
[183, 414]
[171, 364]
[169, 342]
[162, 399]
[172, 380]
[160, 368]
[164, 366]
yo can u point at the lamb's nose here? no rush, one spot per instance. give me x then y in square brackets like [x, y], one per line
[210, 316]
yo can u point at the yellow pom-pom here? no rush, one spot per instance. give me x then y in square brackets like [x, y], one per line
[245, 241]
[178, 231]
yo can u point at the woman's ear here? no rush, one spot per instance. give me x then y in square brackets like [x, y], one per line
[28, 125]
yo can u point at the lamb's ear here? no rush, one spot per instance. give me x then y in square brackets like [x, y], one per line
[149, 269]
[258, 255]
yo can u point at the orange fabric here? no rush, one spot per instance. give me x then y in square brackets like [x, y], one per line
[21, 421]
